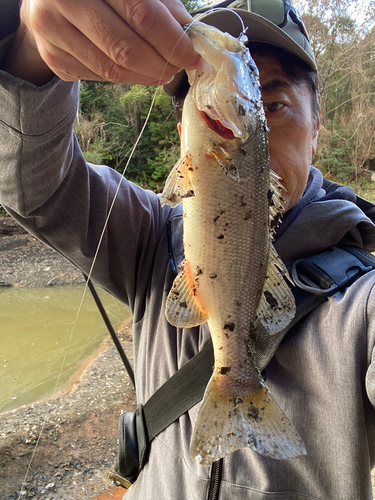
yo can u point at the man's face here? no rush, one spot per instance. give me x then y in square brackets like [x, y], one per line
[294, 133]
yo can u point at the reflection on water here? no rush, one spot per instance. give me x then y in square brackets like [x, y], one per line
[35, 329]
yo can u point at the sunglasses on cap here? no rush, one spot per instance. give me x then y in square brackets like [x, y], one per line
[279, 12]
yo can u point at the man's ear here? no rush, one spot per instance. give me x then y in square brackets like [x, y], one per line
[316, 131]
[179, 128]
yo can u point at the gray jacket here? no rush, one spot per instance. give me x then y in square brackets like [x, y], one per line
[322, 375]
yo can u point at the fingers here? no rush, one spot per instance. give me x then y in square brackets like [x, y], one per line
[132, 41]
[75, 56]
[159, 23]
[58, 61]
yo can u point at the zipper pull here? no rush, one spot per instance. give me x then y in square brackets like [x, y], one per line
[215, 481]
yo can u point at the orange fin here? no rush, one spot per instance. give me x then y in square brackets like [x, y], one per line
[182, 308]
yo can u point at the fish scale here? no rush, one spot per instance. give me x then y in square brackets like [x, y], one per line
[231, 276]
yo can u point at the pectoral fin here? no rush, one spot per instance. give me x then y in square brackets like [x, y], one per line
[178, 185]
[182, 307]
[276, 307]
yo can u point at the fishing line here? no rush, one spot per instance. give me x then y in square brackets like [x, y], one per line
[96, 254]
[241, 37]
[186, 28]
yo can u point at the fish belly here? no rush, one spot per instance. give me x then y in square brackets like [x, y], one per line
[226, 241]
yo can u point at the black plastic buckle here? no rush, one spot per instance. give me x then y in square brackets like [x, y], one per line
[328, 272]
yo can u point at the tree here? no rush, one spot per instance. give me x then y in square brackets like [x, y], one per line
[109, 124]
[158, 148]
[345, 51]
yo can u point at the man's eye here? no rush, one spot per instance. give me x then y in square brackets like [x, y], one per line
[272, 107]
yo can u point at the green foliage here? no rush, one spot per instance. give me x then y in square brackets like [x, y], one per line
[192, 5]
[156, 150]
[110, 122]
[95, 154]
[333, 158]
[3, 212]
[345, 55]
[364, 188]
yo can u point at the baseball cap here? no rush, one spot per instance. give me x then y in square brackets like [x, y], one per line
[275, 22]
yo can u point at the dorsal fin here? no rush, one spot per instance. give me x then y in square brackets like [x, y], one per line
[275, 199]
[276, 306]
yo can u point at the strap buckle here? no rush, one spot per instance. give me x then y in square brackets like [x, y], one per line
[119, 480]
[329, 272]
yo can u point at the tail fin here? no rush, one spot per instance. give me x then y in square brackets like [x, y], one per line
[228, 421]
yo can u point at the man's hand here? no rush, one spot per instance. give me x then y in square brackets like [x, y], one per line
[128, 41]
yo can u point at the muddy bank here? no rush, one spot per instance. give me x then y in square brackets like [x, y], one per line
[24, 261]
[73, 434]
[66, 444]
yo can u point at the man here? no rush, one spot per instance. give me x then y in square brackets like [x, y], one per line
[322, 374]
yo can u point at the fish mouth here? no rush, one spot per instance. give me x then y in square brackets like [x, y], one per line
[217, 127]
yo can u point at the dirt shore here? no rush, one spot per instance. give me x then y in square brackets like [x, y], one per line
[62, 447]
[25, 261]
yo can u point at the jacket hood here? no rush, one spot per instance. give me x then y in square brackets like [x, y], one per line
[327, 214]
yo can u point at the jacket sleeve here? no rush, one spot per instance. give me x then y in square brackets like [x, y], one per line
[47, 186]
[370, 332]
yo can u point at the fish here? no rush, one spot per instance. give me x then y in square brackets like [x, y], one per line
[231, 276]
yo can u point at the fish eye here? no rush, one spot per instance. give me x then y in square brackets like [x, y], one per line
[272, 107]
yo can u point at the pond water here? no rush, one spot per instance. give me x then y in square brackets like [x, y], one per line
[37, 333]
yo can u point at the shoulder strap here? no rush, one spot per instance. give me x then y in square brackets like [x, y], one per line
[316, 278]
[180, 393]
[332, 270]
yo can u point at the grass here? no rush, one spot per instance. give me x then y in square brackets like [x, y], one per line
[3, 212]
[364, 189]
